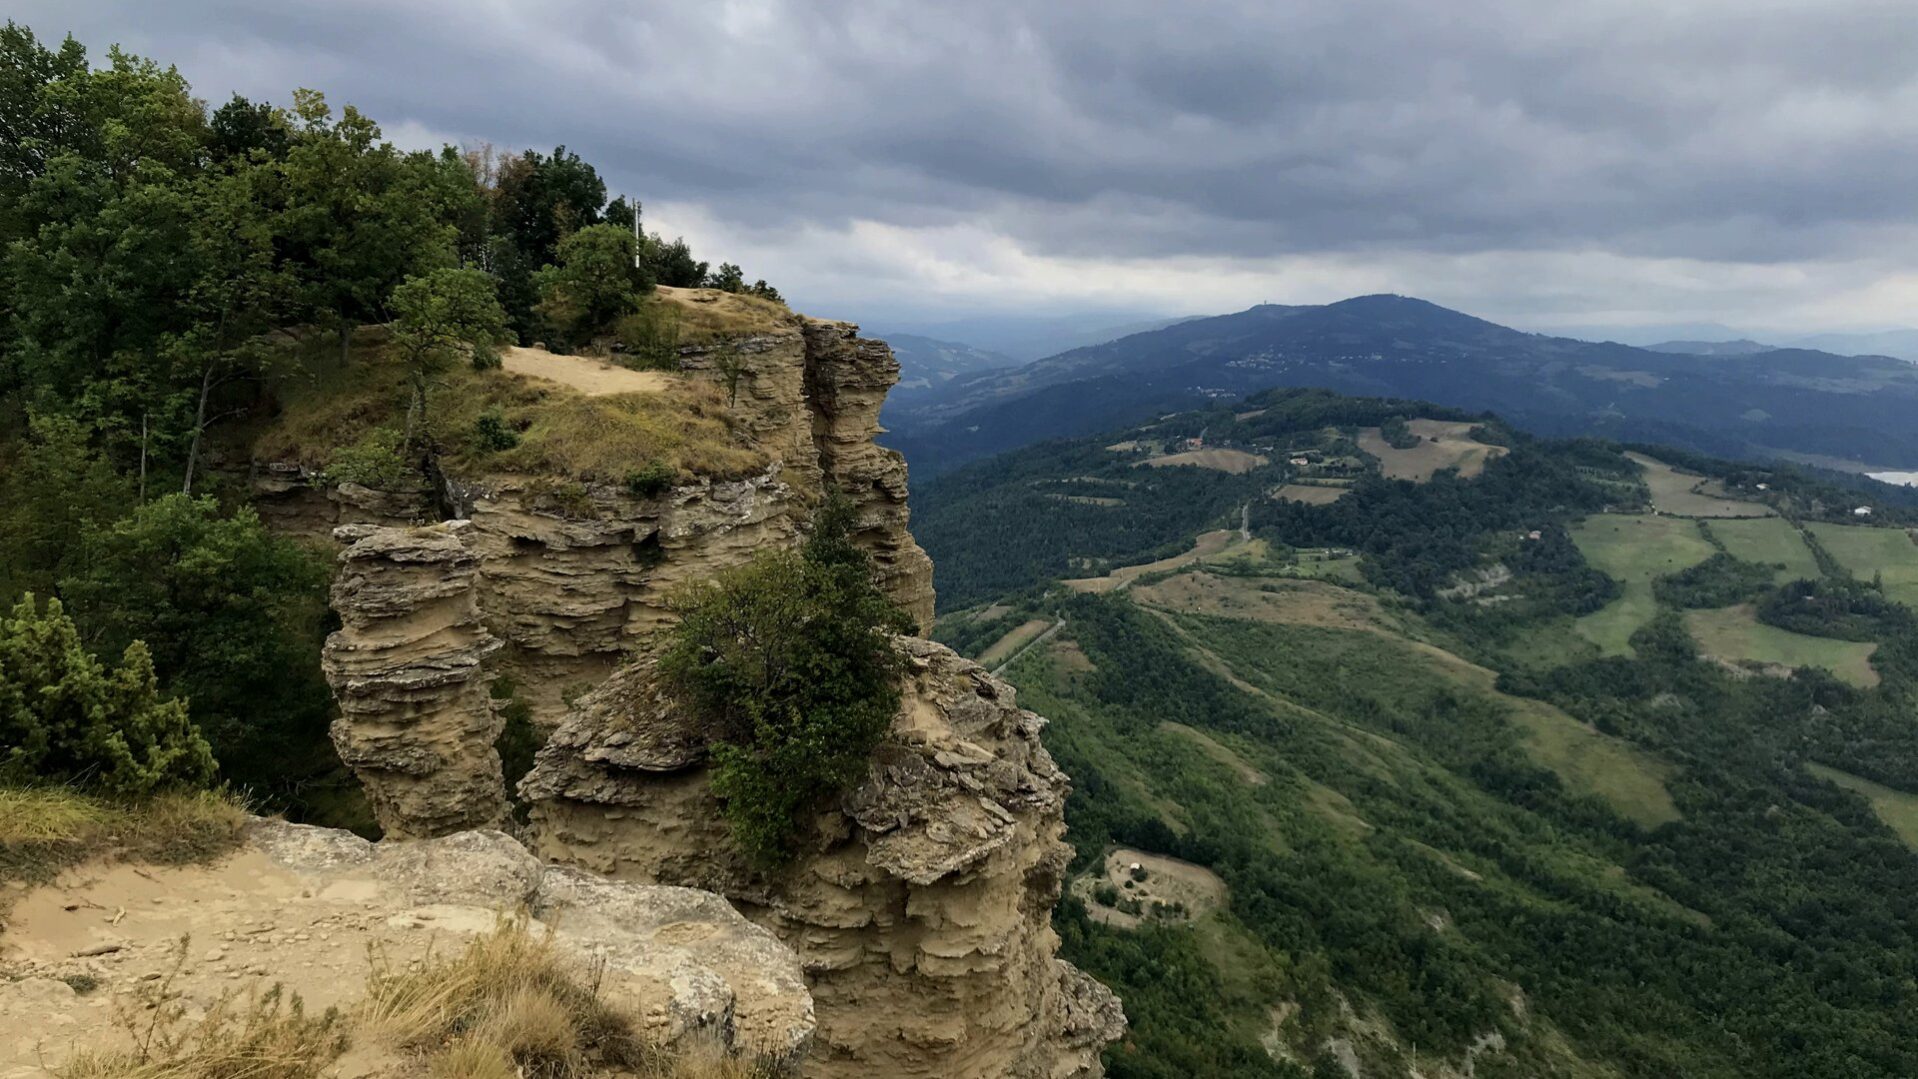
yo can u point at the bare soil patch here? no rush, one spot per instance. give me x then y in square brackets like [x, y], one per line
[1158, 888]
[589, 375]
[1236, 462]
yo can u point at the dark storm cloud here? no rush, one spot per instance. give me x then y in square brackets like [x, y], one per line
[1752, 132]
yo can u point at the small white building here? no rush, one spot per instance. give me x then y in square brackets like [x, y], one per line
[1862, 511]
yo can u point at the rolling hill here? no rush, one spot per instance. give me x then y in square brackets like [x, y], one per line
[1749, 404]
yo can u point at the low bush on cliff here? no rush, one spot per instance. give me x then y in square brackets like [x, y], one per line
[790, 658]
[64, 715]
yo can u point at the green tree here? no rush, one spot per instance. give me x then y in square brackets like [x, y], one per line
[66, 717]
[594, 282]
[442, 316]
[790, 658]
[728, 278]
[53, 491]
[234, 617]
[360, 216]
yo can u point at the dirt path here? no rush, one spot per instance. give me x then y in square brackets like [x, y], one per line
[592, 377]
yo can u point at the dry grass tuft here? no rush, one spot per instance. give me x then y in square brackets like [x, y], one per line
[604, 438]
[46, 829]
[257, 1035]
[511, 992]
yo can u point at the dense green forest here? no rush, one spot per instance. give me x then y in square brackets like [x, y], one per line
[1447, 818]
[170, 272]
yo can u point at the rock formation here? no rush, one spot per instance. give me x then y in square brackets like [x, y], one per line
[572, 587]
[302, 906]
[921, 908]
[416, 724]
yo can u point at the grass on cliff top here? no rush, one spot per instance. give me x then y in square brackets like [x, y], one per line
[508, 1006]
[703, 315]
[560, 431]
[46, 829]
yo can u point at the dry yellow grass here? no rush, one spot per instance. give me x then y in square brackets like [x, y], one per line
[45, 829]
[562, 431]
[703, 315]
[509, 1006]
[1442, 444]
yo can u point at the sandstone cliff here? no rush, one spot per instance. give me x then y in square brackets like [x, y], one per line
[921, 908]
[572, 585]
[415, 722]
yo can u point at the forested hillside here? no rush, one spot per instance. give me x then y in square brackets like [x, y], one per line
[182, 285]
[1752, 404]
[1439, 747]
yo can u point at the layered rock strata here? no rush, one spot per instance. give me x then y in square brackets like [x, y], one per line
[921, 906]
[416, 723]
[573, 586]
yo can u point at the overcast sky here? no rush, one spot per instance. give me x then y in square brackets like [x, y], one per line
[1544, 163]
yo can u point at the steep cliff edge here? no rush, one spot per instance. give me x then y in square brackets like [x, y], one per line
[575, 569]
[921, 906]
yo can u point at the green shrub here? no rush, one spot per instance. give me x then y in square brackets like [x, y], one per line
[652, 480]
[491, 432]
[790, 658]
[379, 461]
[66, 716]
[650, 337]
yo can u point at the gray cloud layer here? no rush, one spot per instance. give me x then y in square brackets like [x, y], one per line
[1406, 142]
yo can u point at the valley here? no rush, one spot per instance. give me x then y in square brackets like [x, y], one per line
[1465, 752]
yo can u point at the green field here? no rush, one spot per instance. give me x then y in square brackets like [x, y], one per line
[1631, 780]
[1691, 495]
[1896, 808]
[1735, 633]
[1768, 541]
[1634, 550]
[1868, 551]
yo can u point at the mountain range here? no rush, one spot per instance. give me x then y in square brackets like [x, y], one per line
[1756, 403]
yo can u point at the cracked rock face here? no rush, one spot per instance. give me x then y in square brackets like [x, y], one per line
[416, 725]
[921, 908]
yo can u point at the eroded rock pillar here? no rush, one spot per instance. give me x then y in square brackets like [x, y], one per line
[416, 724]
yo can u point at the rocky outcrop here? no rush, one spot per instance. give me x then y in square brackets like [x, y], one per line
[921, 907]
[304, 906]
[572, 585]
[416, 723]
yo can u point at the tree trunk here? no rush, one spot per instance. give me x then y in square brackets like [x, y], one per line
[346, 340]
[199, 426]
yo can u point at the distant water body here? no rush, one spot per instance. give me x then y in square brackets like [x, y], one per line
[1908, 479]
